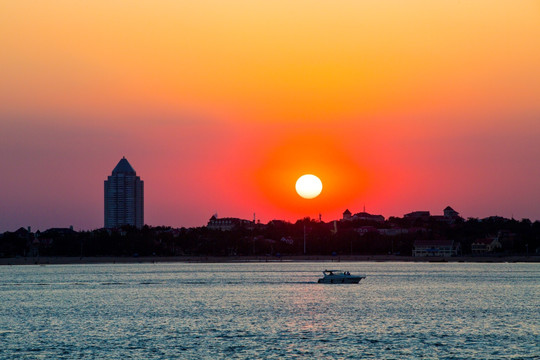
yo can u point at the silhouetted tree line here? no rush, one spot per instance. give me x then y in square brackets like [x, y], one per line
[275, 239]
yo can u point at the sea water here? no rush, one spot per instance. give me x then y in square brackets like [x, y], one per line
[273, 310]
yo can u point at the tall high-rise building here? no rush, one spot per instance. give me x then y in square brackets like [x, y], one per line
[124, 197]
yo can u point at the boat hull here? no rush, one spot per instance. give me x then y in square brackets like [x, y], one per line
[340, 280]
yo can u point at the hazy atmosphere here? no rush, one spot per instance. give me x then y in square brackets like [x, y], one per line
[221, 105]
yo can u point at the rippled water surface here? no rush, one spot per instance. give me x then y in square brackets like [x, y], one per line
[270, 311]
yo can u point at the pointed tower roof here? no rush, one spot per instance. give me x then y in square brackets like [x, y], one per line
[123, 167]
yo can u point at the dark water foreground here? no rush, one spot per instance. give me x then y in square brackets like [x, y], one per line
[270, 310]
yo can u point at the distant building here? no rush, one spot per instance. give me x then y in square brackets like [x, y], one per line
[347, 216]
[369, 217]
[450, 213]
[124, 197]
[417, 215]
[59, 231]
[23, 233]
[450, 216]
[226, 224]
[485, 246]
[436, 248]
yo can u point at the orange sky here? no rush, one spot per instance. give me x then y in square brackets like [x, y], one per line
[221, 105]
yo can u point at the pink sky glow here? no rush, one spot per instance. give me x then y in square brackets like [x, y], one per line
[221, 106]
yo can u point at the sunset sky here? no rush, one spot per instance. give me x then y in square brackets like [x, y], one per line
[221, 105]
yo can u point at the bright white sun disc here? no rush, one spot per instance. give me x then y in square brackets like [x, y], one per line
[308, 186]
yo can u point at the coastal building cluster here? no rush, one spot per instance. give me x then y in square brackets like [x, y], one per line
[422, 247]
[417, 234]
[419, 238]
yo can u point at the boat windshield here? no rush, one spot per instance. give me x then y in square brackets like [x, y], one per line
[332, 272]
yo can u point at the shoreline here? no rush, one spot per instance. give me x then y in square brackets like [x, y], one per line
[64, 260]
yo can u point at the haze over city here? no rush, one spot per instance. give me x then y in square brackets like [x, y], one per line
[221, 105]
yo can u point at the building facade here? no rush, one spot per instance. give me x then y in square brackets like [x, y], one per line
[227, 224]
[124, 197]
[347, 216]
[436, 248]
[417, 215]
[485, 246]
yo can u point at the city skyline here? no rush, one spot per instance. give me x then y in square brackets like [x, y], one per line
[396, 106]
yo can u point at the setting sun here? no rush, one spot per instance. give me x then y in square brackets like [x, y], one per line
[308, 186]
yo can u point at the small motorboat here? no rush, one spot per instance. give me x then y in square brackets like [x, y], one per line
[340, 277]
